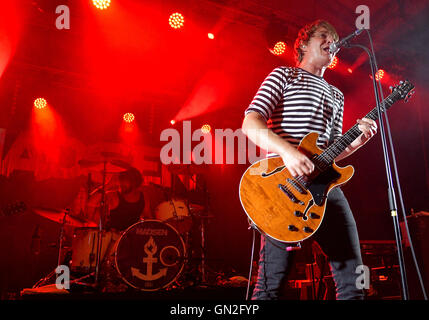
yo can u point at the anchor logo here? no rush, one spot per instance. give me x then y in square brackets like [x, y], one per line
[150, 248]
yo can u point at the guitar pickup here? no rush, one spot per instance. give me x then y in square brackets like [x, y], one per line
[296, 186]
[290, 194]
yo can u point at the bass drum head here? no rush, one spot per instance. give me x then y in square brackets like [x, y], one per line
[150, 255]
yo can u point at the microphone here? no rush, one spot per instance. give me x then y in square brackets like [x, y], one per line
[336, 46]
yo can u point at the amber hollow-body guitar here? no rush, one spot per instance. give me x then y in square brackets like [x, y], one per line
[291, 209]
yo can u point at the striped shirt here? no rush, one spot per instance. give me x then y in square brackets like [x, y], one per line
[295, 102]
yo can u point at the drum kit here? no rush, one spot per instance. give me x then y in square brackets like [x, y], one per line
[152, 254]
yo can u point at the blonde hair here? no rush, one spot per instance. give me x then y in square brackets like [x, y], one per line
[307, 32]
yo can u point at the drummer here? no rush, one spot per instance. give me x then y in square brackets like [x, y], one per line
[126, 205]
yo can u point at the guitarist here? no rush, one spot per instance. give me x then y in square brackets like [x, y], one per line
[296, 101]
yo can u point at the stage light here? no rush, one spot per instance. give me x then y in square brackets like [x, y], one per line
[206, 128]
[379, 75]
[129, 117]
[173, 122]
[210, 35]
[279, 48]
[176, 20]
[333, 63]
[101, 4]
[40, 103]
[349, 70]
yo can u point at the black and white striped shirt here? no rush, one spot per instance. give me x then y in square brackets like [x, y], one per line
[296, 102]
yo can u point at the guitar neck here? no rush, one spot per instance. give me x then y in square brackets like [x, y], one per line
[336, 148]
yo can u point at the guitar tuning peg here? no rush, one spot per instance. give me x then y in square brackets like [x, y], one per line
[391, 88]
[401, 82]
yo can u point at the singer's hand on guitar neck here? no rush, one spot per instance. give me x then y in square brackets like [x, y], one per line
[368, 128]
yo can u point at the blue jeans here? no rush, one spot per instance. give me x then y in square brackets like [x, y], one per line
[338, 238]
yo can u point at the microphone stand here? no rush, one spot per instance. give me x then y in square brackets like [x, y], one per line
[390, 190]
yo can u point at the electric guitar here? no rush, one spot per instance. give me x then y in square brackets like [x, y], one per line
[291, 209]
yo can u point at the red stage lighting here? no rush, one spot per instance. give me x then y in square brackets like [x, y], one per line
[101, 4]
[129, 117]
[349, 70]
[379, 75]
[40, 103]
[173, 122]
[210, 35]
[279, 48]
[206, 128]
[333, 63]
[176, 20]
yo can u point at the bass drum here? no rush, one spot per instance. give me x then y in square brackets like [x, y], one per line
[150, 255]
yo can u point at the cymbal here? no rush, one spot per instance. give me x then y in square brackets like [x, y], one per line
[114, 162]
[196, 207]
[57, 215]
[419, 214]
[201, 215]
[99, 166]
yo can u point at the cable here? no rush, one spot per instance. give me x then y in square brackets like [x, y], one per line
[251, 263]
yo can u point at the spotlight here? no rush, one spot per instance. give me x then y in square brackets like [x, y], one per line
[350, 70]
[206, 128]
[379, 75]
[40, 103]
[333, 63]
[210, 36]
[129, 117]
[101, 4]
[279, 48]
[173, 122]
[176, 20]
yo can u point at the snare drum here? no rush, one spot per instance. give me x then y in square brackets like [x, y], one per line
[150, 255]
[176, 213]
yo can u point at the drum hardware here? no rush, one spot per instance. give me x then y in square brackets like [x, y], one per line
[107, 163]
[162, 259]
[110, 164]
[65, 219]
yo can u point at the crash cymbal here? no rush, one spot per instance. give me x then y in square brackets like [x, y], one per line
[98, 166]
[115, 162]
[57, 215]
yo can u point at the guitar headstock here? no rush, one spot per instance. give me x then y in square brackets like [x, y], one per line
[403, 90]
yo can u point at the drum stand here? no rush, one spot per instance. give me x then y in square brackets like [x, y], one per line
[96, 273]
[203, 251]
[44, 280]
[103, 207]
[100, 225]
